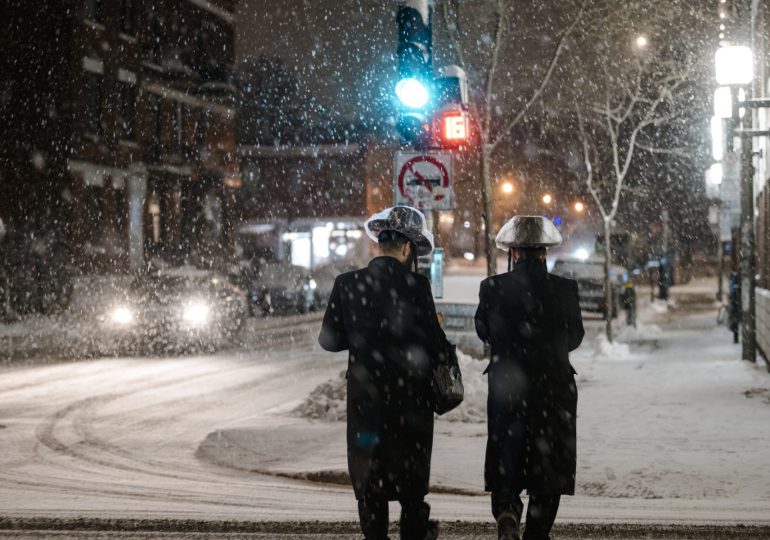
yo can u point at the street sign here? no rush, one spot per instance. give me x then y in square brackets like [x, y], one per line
[730, 195]
[423, 180]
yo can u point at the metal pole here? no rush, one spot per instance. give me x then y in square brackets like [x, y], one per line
[747, 266]
[720, 253]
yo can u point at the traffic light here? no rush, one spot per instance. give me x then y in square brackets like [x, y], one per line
[415, 71]
[451, 122]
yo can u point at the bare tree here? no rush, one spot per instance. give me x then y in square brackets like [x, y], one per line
[623, 125]
[493, 24]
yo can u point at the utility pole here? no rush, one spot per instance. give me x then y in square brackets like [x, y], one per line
[720, 252]
[747, 262]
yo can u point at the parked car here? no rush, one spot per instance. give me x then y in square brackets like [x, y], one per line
[36, 275]
[282, 287]
[589, 274]
[175, 308]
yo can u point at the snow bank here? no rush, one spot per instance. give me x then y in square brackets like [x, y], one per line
[327, 401]
[615, 350]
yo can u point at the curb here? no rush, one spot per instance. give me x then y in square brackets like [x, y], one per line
[577, 530]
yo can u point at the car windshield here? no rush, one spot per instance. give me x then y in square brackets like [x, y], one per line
[280, 275]
[578, 269]
[171, 285]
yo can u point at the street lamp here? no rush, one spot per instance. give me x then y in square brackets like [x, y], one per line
[547, 198]
[734, 67]
[507, 188]
[714, 175]
[579, 207]
[713, 191]
[642, 41]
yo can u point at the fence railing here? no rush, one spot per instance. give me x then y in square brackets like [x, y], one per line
[460, 328]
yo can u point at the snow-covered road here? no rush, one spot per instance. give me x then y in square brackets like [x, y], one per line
[673, 428]
[119, 436]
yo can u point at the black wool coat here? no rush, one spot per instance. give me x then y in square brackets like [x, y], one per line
[385, 317]
[532, 320]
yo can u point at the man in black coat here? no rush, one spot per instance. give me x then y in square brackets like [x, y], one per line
[531, 319]
[385, 316]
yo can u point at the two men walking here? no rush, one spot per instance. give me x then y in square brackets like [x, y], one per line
[385, 317]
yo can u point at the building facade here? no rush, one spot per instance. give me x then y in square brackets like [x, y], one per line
[760, 40]
[307, 203]
[123, 127]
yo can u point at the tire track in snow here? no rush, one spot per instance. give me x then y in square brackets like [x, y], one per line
[80, 419]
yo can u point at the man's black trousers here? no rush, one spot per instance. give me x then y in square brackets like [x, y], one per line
[541, 511]
[373, 513]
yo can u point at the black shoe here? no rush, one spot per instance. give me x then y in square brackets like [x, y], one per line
[432, 530]
[507, 527]
[418, 526]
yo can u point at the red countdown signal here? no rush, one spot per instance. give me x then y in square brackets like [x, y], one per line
[451, 127]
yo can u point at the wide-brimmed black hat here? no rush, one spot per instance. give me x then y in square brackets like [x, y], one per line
[405, 220]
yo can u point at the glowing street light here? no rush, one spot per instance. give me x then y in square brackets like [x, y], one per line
[714, 174]
[723, 102]
[507, 188]
[642, 41]
[547, 198]
[579, 206]
[717, 139]
[734, 65]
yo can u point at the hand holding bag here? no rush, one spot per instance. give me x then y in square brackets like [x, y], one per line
[447, 382]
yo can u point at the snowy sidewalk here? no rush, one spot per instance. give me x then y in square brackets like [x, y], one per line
[672, 426]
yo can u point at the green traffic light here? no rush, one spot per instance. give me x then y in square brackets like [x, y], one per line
[412, 93]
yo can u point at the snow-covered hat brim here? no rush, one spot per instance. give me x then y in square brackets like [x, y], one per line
[528, 232]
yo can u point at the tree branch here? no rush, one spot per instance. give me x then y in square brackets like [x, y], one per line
[499, 30]
[454, 33]
[679, 152]
[544, 82]
[589, 166]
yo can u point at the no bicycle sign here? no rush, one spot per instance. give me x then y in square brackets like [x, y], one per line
[423, 180]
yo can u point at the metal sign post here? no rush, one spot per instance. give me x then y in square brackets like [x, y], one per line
[424, 180]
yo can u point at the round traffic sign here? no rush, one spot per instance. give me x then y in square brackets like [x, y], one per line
[423, 173]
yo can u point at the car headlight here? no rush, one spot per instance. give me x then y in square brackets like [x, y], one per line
[196, 312]
[122, 316]
[582, 253]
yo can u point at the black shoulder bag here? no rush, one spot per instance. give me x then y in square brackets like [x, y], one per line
[447, 381]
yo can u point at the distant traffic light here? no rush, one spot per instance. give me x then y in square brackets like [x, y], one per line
[415, 70]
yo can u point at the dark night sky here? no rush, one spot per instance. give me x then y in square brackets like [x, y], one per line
[343, 50]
